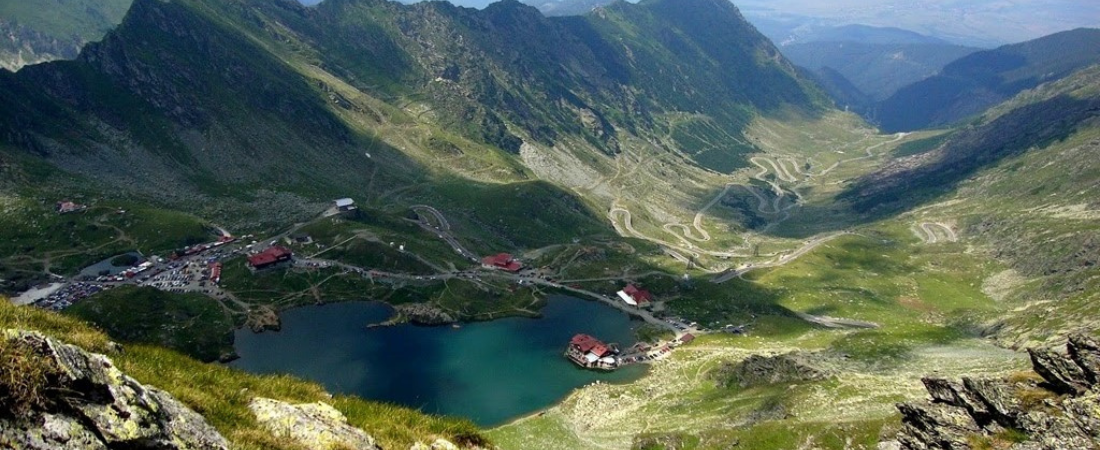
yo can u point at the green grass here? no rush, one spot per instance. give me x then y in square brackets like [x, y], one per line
[192, 324]
[922, 145]
[221, 394]
[516, 216]
[285, 288]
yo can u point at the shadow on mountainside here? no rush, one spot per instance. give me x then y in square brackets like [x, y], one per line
[916, 180]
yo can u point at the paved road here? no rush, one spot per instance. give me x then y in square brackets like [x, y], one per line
[442, 230]
[783, 259]
[933, 232]
[870, 154]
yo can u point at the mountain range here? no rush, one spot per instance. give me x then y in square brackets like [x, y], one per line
[199, 97]
[971, 84]
[37, 33]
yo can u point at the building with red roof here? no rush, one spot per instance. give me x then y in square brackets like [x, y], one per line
[216, 272]
[270, 257]
[635, 296]
[502, 261]
[591, 353]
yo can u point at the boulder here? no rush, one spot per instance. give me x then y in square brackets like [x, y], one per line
[1063, 374]
[999, 398]
[90, 404]
[315, 425]
[758, 370]
[955, 394]
[1085, 352]
[928, 425]
[439, 444]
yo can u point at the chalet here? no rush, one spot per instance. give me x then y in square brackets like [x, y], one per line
[503, 261]
[345, 204]
[270, 258]
[634, 296]
[591, 353]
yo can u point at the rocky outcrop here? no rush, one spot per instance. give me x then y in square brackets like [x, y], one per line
[439, 444]
[315, 425]
[425, 314]
[85, 402]
[760, 370]
[1058, 410]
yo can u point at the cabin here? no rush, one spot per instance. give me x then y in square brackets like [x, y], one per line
[502, 261]
[345, 204]
[634, 296]
[269, 258]
[591, 353]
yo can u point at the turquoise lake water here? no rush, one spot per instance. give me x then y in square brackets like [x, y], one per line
[489, 372]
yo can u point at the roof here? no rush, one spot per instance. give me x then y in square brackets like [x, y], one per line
[589, 344]
[343, 202]
[627, 298]
[639, 295]
[504, 261]
[269, 256]
[687, 338]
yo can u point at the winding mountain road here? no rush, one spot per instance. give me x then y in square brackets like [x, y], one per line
[870, 154]
[781, 260]
[934, 232]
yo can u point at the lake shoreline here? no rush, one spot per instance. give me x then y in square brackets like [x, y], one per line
[492, 372]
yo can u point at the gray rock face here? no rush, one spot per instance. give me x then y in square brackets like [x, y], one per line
[1086, 353]
[759, 370]
[315, 425]
[1061, 413]
[1064, 375]
[93, 405]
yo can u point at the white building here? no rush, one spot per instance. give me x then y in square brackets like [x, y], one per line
[345, 204]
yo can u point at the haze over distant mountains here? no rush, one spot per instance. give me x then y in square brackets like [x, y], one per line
[982, 23]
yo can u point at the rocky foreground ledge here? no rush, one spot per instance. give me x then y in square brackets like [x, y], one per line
[82, 401]
[1055, 408]
[59, 396]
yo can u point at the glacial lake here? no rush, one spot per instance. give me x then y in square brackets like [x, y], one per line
[489, 372]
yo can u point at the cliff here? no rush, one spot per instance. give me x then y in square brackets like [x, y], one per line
[1057, 409]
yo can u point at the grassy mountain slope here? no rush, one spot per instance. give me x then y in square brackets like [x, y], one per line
[38, 32]
[970, 85]
[1023, 181]
[255, 113]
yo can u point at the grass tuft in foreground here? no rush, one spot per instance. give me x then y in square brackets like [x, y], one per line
[220, 394]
